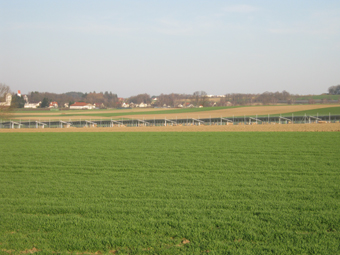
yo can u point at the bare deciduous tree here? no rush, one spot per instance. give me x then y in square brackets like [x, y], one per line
[4, 89]
[200, 98]
[140, 98]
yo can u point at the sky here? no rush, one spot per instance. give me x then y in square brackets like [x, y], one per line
[148, 46]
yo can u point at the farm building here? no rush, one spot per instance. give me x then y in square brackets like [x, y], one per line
[81, 105]
[32, 105]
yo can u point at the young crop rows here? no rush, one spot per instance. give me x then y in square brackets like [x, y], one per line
[170, 193]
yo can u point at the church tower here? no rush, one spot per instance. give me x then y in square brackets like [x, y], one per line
[8, 99]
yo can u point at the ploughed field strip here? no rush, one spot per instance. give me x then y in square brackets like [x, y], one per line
[170, 193]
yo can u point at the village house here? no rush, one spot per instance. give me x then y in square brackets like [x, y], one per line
[29, 105]
[99, 105]
[53, 105]
[81, 106]
[125, 105]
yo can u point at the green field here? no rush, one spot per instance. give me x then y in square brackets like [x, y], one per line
[105, 113]
[146, 193]
[314, 112]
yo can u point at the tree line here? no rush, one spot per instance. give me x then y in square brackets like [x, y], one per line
[334, 90]
[196, 99]
[201, 98]
[108, 99]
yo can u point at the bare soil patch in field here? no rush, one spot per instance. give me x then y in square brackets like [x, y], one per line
[84, 112]
[229, 112]
[326, 127]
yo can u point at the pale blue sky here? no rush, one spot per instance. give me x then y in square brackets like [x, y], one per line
[132, 47]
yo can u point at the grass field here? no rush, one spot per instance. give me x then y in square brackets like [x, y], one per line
[123, 112]
[314, 112]
[170, 193]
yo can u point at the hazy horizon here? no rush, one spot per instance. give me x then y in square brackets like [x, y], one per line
[154, 47]
[153, 94]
